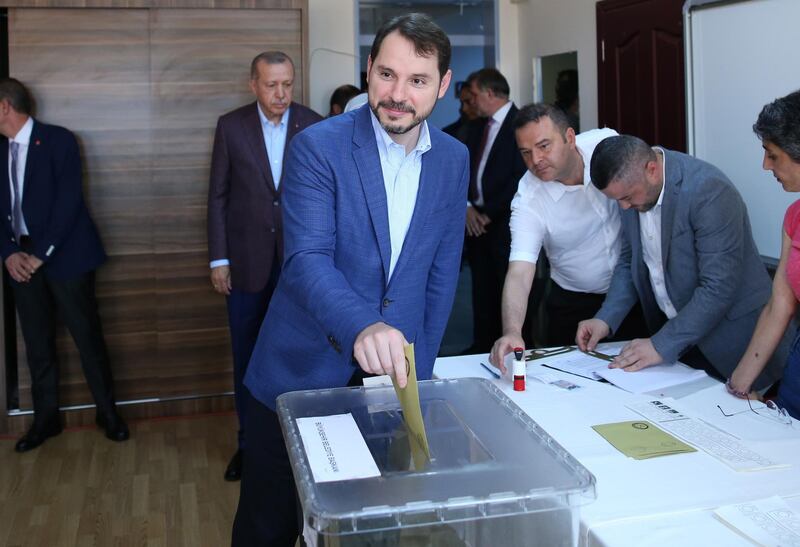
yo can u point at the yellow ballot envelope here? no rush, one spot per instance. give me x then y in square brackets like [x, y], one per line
[641, 440]
[412, 412]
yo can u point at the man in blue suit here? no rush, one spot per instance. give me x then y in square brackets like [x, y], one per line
[374, 210]
[688, 255]
[51, 249]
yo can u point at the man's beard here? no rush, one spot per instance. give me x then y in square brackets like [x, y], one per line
[396, 128]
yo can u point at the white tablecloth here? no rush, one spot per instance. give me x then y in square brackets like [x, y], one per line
[659, 501]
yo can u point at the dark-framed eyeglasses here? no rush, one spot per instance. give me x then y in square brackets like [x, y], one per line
[770, 410]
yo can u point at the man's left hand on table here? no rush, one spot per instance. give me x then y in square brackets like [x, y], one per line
[636, 355]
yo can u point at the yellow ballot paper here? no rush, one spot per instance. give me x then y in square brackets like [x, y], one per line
[412, 412]
[641, 440]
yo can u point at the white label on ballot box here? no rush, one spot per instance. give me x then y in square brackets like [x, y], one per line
[336, 449]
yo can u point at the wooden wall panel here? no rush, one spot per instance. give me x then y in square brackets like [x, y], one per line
[82, 78]
[142, 89]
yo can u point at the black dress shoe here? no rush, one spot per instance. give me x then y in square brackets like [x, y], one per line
[36, 435]
[234, 470]
[116, 428]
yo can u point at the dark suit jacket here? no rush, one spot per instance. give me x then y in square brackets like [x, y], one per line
[504, 168]
[61, 231]
[712, 270]
[335, 280]
[465, 130]
[244, 220]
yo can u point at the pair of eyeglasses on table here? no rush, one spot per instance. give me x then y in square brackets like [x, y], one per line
[770, 411]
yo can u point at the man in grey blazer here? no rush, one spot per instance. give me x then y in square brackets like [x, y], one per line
[245, 240]
[688, 255]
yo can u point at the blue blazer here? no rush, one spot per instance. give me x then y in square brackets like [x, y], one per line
[712, 270]
[61, 230]
[337, 251]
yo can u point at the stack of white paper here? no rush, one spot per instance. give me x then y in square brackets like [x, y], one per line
[768, 522]
[649, 379]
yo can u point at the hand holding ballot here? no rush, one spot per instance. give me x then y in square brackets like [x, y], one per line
[379, 349]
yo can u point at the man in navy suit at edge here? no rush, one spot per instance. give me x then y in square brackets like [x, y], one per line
[374, 211]
[51, 250]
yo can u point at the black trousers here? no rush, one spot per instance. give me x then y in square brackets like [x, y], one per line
[246, 312]
[565, 309]
[488, 262]
[269, 511]
[38, 302]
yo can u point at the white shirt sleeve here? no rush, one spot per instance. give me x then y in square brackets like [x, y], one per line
[527, 226]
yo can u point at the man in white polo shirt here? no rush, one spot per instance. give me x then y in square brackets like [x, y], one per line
[557, 208]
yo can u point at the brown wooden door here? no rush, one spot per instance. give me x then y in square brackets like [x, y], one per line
[640, 62]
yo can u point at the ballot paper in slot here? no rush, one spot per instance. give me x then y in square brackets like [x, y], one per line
[412, 412]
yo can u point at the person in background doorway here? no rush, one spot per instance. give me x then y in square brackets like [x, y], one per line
[340, 97]
[567, 97]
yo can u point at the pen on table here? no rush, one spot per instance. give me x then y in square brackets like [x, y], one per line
[491, 371]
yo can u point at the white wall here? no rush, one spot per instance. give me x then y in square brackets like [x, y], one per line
[332, 49]
[508, 50]
[526, 29]
[547, 27]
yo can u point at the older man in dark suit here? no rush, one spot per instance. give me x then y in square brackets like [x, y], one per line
[245, 241]
[51, 249]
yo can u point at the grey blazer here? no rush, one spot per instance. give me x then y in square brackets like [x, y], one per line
[713, 273]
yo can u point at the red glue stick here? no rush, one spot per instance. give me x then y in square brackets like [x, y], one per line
[519, 369]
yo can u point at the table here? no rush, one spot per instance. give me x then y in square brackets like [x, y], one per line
[660, 501]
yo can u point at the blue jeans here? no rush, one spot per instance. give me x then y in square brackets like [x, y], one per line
[789, 391]
[246, 312]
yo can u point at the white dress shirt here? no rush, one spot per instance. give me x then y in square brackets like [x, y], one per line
[23, 140]
[578, 226]
[401, 174]
[650, 230]
[494, 122]
[274, 144]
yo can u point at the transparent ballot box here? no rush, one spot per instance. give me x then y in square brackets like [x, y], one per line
[494, 476]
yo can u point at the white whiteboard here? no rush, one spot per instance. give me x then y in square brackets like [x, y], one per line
[740, 55]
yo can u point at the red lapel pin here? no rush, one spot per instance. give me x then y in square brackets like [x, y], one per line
[37, 142]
